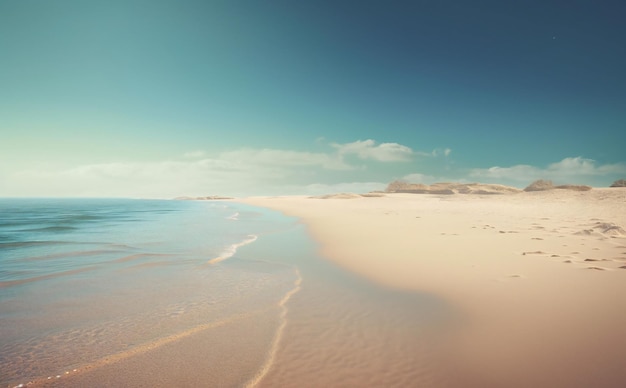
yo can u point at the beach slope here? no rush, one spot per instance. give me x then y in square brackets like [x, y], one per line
[539, 278]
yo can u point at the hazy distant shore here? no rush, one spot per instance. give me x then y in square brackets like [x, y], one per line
[537, 276]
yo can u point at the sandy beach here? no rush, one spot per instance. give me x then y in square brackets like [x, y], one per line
[538, 278]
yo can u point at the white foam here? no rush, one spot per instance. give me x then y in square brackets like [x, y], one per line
[231, 250]
[279, 333]
[233, 217]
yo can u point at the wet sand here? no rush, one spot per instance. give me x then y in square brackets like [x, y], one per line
[536, 279]
[226, 354]
[330, 328]
[343, 330]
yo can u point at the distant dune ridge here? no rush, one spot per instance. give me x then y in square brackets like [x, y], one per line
[541, 185]
[348, 195]
[479, 188]
[450, 188]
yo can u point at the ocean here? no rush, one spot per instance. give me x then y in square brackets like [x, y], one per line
[86, 279]
[121, 292]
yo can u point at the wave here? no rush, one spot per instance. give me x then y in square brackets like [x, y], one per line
[10, 283]
[234, 217]
[7, 224]
[20, 244]
[231, 250]
[140, 256]
[265, 368]
[69, 254]
[105, 260]
[50, 229]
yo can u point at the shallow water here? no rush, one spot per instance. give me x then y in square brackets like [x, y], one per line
[345, 331]
[145, 293]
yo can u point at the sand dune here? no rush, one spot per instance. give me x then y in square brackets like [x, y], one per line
[450, 188]
[348, 196]
[538, 276]
[542, 185]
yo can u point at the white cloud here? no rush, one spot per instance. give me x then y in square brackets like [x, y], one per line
[569, 169]
[520, 172]
[135, 179]
[274, 157]
[244, 171]
[581, 166]
[441, 151]
[367, 149]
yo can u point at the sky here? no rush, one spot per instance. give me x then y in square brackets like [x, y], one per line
[159, 99]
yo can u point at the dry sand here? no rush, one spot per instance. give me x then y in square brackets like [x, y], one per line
[539, 278]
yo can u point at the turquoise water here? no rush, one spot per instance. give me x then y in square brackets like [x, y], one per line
[118, 292]
[85, 279]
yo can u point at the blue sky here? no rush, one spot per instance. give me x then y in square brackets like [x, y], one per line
[164, 98]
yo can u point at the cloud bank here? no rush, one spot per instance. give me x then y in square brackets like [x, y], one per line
[568, 170]
[384, 152]
[359, 166]
[275, 157]
[244, 171]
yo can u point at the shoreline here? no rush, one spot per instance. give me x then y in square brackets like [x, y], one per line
[536, 275]
[265, 311]
[129, 310]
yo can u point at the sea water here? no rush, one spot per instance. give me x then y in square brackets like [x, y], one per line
[118, 292]
[87, 280]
